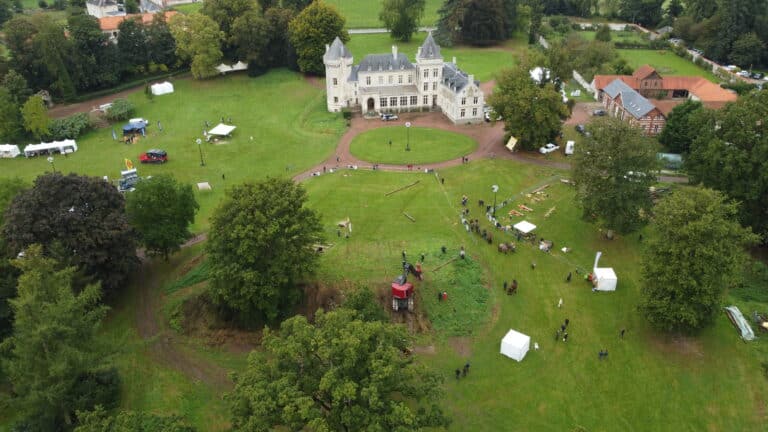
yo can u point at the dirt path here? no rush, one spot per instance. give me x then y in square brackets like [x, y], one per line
[60, 111]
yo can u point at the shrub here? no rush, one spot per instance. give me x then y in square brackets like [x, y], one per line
[121, 109]
[346, 113]
[69, 127]
[42, 4]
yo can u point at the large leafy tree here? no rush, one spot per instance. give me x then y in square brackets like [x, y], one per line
[53, 336]
[225, 13]
[645, 12]
[55, 52]
[11, 123]
[161, 46]
[747, 50]
[77, 219]
[337, 374]
[99, 420]
[613, 169]
[695, 251]
[678, 133]
[35, 116]
[161, 210]
[484, 22]
[317, 25]
[132, 42]
[532, 113]
[9, 188]
[402, 17]
[730, 154]
[95, 60]
[197, 40]
[251, 34]
[260, 245]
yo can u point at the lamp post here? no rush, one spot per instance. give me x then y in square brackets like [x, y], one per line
[407, 136]
[200, 149]
[50, 161]
[495, 189]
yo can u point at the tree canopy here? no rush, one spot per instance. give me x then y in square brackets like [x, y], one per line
[477, 22]
[402, 17]
[198, 40]
[161, 211]
[35, 116]
[79, 220]
[694, 253]
[129, 421]
[315, 27]
[9, 188]
[679, 132]
[337, 374]
[613, 170]
[260, 246]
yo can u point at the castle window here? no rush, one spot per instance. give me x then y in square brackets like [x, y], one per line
[426, 99]
[476, 99]
[463, 112]
[434, 86]
[410, 78]
[389, 78]
[414, 100]
[383, 102]
[399, 79]
[426, 73]
[403, 100]
[368, 80]
[474, 112]
[335, 81]
[393, 101]
[426, 86]
[434, 73]
[463, 101]
[335, 99]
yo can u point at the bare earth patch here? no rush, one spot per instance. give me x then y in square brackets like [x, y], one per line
[462, 345]
[678, 345]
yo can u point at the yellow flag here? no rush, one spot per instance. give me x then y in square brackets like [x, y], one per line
[128, 164]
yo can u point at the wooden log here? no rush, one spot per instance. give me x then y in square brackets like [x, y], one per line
[402, 188]
[549, 212]
[541, 188]
[445, 263]
[409, 217]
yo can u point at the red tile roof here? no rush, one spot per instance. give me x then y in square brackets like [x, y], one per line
[111, 23]
[643, 71]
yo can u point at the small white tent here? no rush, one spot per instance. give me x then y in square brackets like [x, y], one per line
[221, 130]
[525, 227]
[604, 277]
[515, 345]
[162, 88]
[65, 146]
[9, 151]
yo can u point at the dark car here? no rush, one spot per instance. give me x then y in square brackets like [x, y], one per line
[599, 112]
[581, 129]
[388, 117]
[154, 156]
[757, 75]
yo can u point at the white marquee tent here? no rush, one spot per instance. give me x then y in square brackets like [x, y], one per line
[525, 227]
[9, 151]
[162, 88]
[515, 345]
[239, 66]
[605, 277]
[221, 130]
[66, 146]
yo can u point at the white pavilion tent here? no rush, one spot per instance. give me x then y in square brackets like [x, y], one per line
[239, 66]
[604, 277]
[9, 151]
[65, 146]
[162, 88]
[515, 345]
[221, 130]
[524, 227]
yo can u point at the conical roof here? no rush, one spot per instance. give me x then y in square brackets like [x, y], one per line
[430, 50]
[337, 50]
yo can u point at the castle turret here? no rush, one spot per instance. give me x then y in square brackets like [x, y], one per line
[429, 65]
[338, 68]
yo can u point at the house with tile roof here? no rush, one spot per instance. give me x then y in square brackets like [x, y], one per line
[391, 83]
[110, 25]
[627, 96]
[105, 8]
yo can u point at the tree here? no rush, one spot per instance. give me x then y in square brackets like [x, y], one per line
[484, 22]
[132, 43]
[531, 113]
[450, 16]
[55, 52]
[197, 40]
[9, 188]
[6, 11]
[11, 123]
[134, 421]
[17, 87]
[77, 219]
[675, 8]
[95, 59]
[296, 5]
[747, 50]
[730, 154]
[678, 132]
[225, 13]
[53, 336]
[121, 109]
[647, 13]
[402, 17]
[695, 251]
[338, 374]
[316, 26]
[250, 37]
[35, 116]
[260, 245]
[603, 33]
[161, 47]
[613, 169]
[363, 301]
[161, 211]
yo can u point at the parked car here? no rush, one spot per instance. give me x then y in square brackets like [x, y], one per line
[580, 128]
[743, 73]
[389, 117]
[757, 75]
[599, 113]
[549, 148]
[491, 115]
[154, 156]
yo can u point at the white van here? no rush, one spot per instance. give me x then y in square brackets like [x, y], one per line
[569, 147]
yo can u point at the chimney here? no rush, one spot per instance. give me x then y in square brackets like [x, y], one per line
[394, 51]
[327, 47]
[454, 59]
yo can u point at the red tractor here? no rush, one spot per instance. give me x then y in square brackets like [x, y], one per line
[402, 290]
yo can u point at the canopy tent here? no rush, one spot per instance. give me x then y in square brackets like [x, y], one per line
[9, 151]
[162, 88]
[515, 345]
[221, 130]
[604, 278]
[524, 227]
[511, 143]
[239, 66]
[134, 127]
[66, 146]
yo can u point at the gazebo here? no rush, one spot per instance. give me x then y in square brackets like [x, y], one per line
[221, 129]
[524, 227]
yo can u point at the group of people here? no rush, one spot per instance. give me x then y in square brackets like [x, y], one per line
[510, 288]
[462, 372]
[562, 332]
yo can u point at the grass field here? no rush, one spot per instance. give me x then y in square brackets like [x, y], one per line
[617, 36]
[665, 62]
[483, 63]
[285, 141]
[189, 7]
[365, 13]
[387, 145]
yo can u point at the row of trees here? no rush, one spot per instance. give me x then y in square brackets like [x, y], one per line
[479, 22]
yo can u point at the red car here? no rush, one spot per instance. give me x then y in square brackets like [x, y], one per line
[154, 156]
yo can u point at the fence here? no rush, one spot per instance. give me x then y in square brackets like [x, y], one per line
[580, 79]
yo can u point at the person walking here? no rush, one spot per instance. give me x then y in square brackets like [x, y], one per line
[560, 303]
[562, 328]
[462, 253]
[403, 254]
[568, 279]
[422, 257]
[533, 266]
[505, 285]
[621, 335]
[466, 369]
[565, 336]
[567, 321]
[458, 374]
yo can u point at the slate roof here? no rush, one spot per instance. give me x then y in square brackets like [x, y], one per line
[337, 50]
[385, 62]
[454, 78]
[430, 50]
[632, 101]
[353, 74]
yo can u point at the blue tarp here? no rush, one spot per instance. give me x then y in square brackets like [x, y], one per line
[134, 127]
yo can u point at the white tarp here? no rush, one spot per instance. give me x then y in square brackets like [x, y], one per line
[221, 129]
[525, 227]
[66, 146]
[515, 345]
[239, 66]
[162, 88]
[605, 277]
[746, 331]
[9, 151]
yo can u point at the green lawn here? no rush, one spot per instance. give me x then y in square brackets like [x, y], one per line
[365, 13]
[285, 141]
[387, 145]
[484, 63]
[189, 7]
[665, 62]
[617, 36]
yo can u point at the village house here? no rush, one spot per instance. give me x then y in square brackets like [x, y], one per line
[391, 83]
[110, 26]
[645, 98]
[105, 8]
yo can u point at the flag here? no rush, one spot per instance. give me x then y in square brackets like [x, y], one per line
[128, 164]
[159, 126]
[114, 135]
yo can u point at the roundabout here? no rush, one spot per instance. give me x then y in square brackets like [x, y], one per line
[403, 145]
